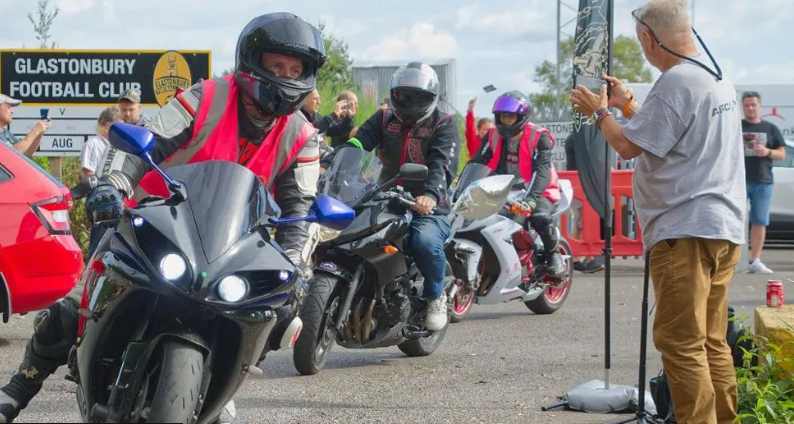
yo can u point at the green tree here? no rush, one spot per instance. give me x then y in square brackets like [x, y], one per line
[335, 74]
[629, 65]
[43, 24]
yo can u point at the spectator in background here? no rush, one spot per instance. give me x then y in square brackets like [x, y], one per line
[690, 193]
[341, 131]
[95, 146]
[763, 144]
[590, 264]
[475, 133]
[28, 144]
[130, 107]
[333, 125]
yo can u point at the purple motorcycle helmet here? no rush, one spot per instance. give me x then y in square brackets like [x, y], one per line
[511, 102]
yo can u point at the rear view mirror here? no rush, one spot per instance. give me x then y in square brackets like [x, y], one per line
[332, 213]
[413, 172]
[131, 139]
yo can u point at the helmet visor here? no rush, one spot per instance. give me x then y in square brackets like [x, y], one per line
[507, 104]
[414, 78]
[412, 101]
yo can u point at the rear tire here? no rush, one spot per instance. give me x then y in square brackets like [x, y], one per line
[179, 384]
[553, 298]
[423, 346]
[318, 335]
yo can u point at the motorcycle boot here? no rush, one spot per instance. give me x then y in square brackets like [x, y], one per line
[55, 331]
[555, 266]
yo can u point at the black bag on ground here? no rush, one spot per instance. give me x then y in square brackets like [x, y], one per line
[660, 387]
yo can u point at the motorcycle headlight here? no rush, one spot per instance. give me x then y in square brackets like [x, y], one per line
[172, 266]
[284, 275]
[232, 289]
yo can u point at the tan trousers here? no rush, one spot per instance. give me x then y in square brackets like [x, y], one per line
[690, 280]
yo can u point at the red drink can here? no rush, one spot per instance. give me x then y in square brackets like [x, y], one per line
[774, 294]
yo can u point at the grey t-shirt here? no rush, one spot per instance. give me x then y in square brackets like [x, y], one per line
[690, 181]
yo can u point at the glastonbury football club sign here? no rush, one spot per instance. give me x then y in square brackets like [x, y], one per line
[76, 85]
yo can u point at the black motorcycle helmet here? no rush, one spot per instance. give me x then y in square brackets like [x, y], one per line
[414, 92]
[511, 102]
[288, 35]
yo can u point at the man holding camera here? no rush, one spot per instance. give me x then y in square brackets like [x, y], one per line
[690, 193]
[28, 144]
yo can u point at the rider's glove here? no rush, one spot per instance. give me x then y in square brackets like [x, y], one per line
[104, 205]
[523, 208]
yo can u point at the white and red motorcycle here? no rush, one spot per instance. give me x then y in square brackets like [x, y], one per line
[495, 259]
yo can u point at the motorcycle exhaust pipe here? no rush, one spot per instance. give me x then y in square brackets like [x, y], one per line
[365, 334]
[357, 320]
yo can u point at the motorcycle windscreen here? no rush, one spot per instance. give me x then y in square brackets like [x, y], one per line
[227, 200]
[351, 174]
[472, 173]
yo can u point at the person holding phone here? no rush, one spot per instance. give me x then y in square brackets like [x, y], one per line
[475, 128]
[28, 144]
[763, 144]
[690, 197]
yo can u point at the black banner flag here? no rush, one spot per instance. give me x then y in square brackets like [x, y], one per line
[591, 59]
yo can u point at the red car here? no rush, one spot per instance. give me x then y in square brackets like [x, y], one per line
[39, 259]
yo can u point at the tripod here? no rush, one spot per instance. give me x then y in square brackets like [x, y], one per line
[641, 416]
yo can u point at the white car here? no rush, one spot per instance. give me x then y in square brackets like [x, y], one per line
[781, 222]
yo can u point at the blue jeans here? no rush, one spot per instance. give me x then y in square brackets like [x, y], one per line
[760, 195]
[427, 236]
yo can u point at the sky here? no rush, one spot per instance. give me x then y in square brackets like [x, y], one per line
[497, 42]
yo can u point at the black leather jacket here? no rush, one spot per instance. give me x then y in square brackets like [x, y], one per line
[294, 189]
[434, 143]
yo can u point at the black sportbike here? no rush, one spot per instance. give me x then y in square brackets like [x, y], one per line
[367, 292]
[185, 295]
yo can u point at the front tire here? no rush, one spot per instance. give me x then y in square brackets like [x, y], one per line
[553, 298]
[462, 303]
[318, 336]
[179, 384]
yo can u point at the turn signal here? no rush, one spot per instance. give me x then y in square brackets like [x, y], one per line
[389, 250]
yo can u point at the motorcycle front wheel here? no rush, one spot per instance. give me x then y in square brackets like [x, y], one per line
[177, 393]
[318, 335]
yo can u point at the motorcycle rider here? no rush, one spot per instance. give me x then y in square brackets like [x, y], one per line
[247, 117]
[527, 155]
[413, 130]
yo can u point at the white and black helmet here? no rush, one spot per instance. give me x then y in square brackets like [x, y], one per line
[414, 92]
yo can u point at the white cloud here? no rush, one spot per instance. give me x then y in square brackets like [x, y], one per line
[529, 20]
[523, 82]
[421, 41]
[68, 7]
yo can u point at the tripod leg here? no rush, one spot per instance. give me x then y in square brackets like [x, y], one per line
[641, 416]
[554, 405]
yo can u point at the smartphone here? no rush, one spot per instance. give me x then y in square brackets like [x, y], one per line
[45, 114]
[592, 84]
[346, 106]
[489, 88]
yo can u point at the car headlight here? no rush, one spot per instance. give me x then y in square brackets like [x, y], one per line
[232, 289]
[172, 266]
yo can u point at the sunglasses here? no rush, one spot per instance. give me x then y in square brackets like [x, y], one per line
[717, 74]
